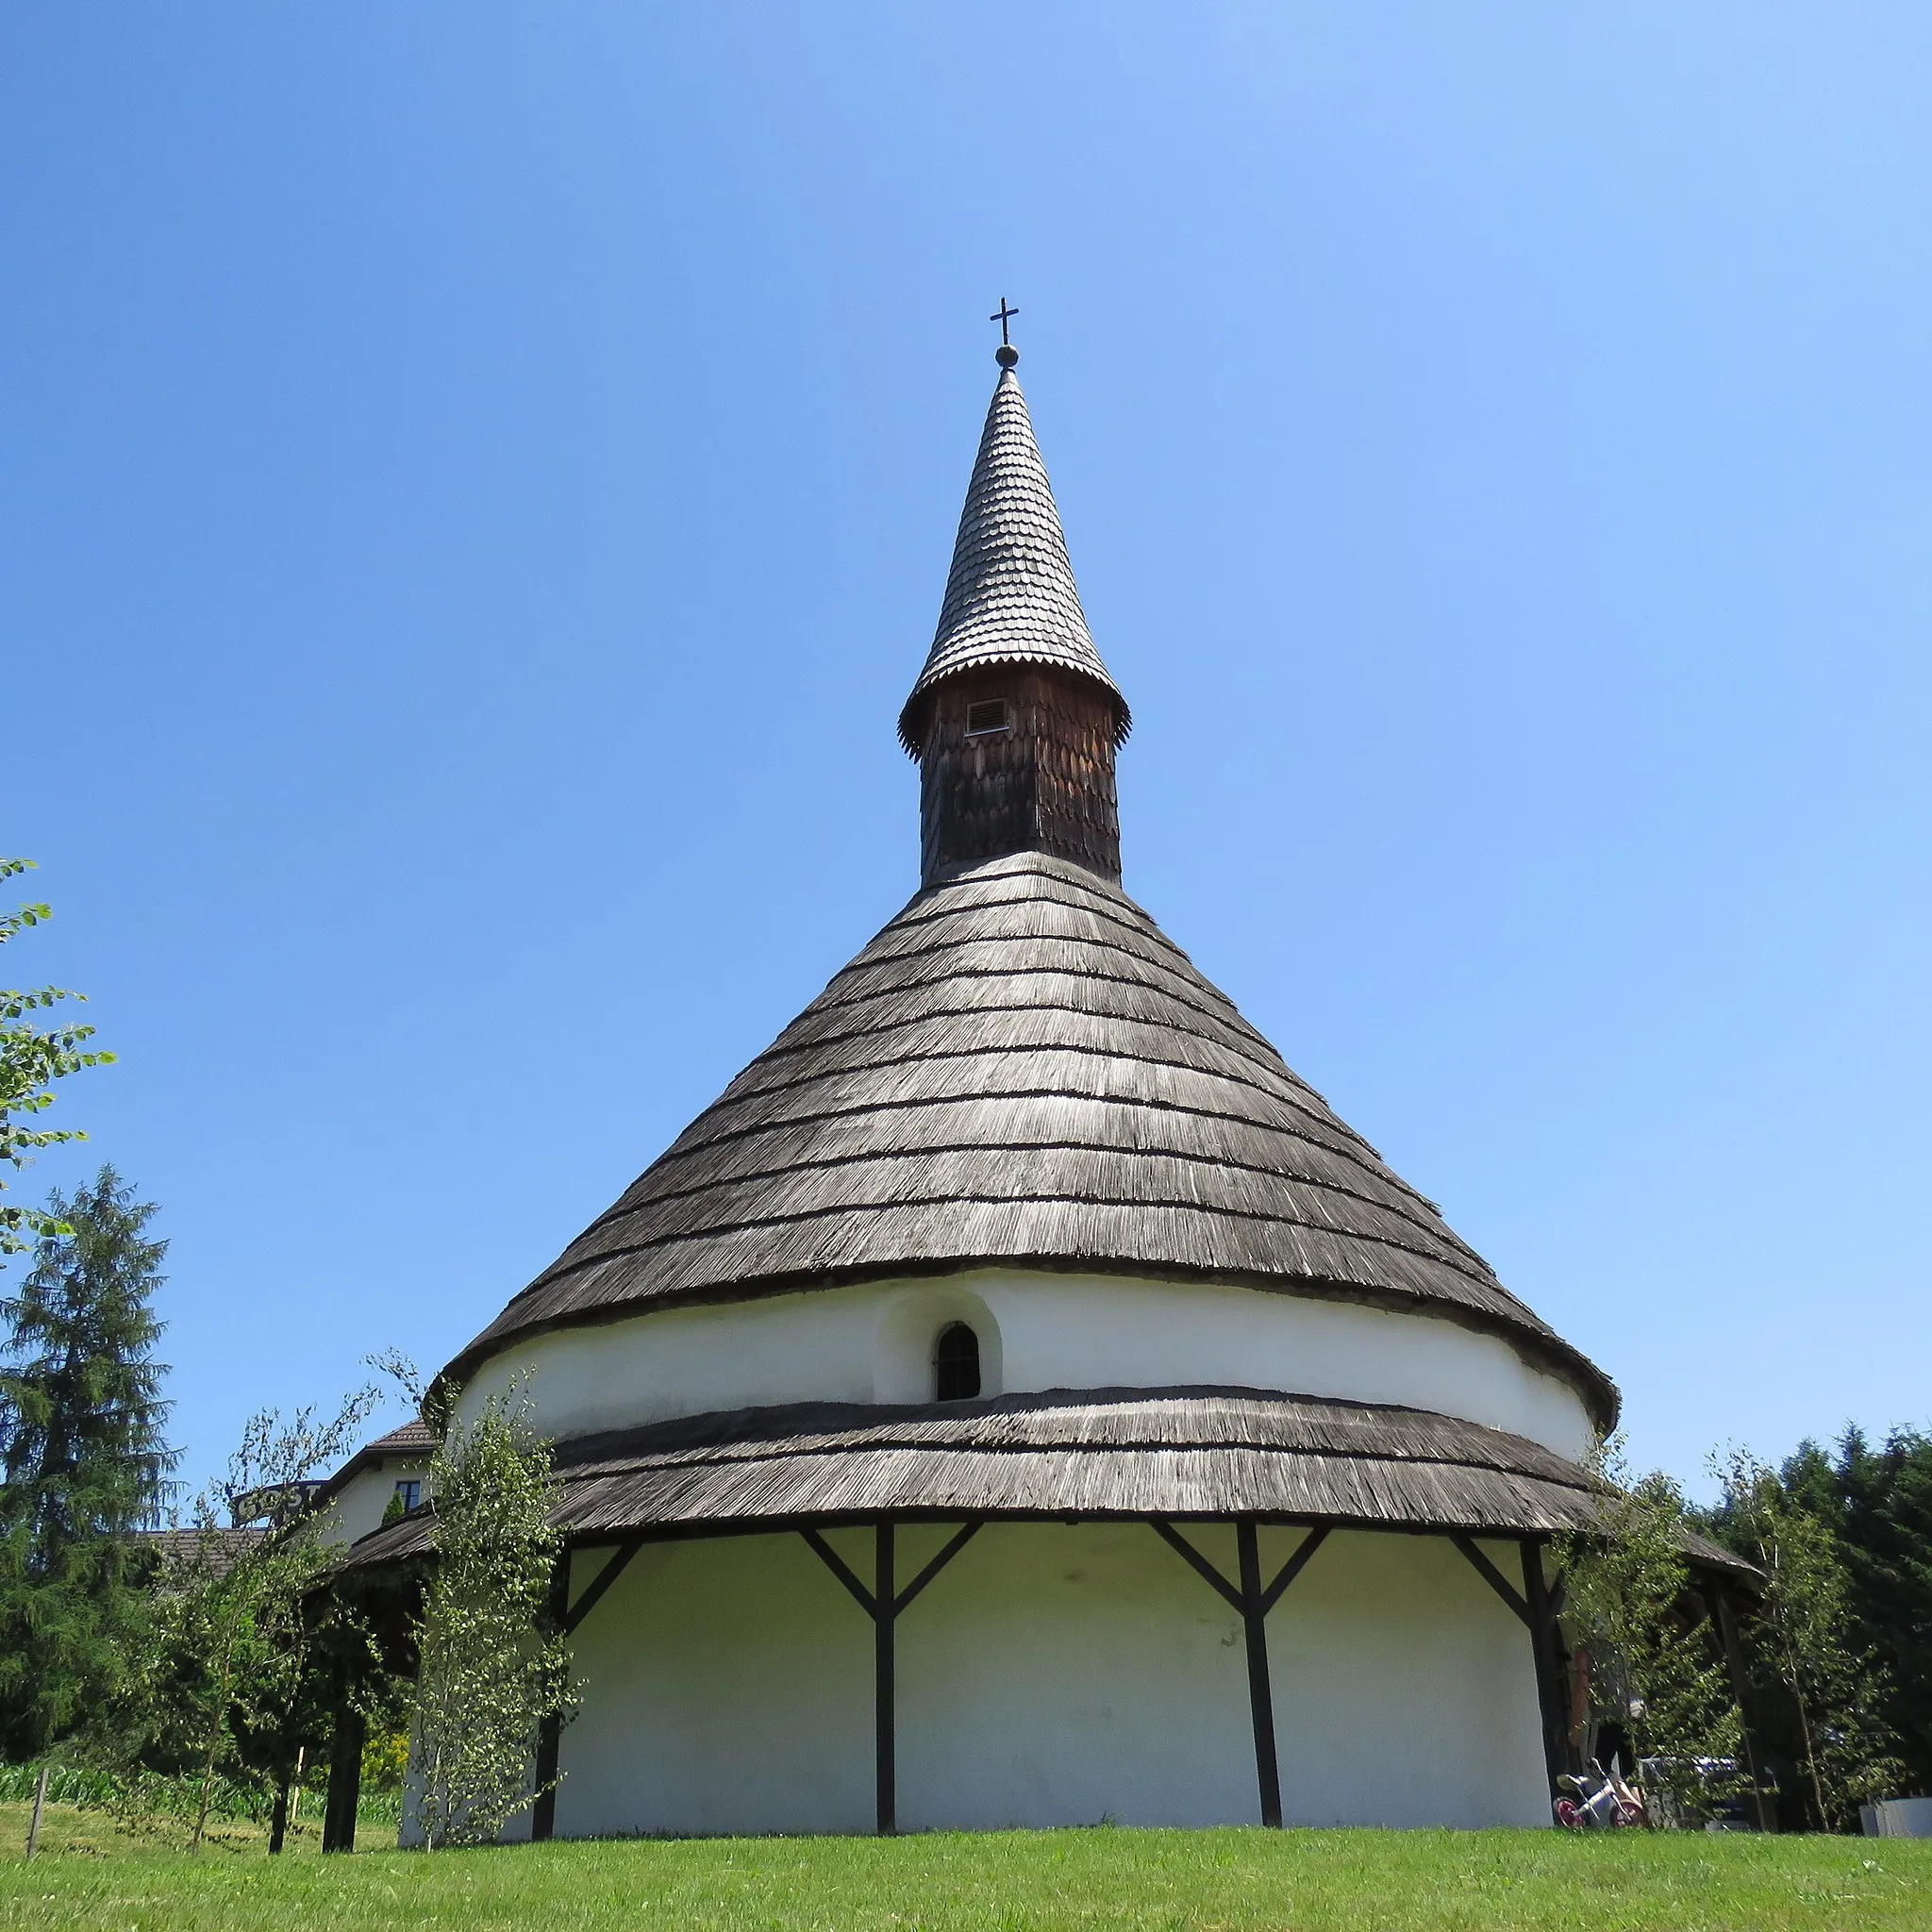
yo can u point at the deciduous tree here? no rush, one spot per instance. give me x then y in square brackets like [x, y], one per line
[236, 1691]
[32, 1057]
[491, 1671]
[1654, 1666]
[1804, 1642]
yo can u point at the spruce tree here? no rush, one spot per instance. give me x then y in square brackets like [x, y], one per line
[82, 1461]
[1879, 1499]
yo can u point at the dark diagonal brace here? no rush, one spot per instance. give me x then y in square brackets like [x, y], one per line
[1208, 1572]
[838, 1566]
[593, 1590]
[1492, 1577]
[1294, 1567]
[933, 1569]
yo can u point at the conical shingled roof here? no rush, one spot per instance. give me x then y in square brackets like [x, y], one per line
[1023, 1069]
[1010, 596]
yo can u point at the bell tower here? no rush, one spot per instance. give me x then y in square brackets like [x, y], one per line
[1014, 720]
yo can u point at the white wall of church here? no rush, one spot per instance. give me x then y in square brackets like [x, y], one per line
[872, 1343]
[1054, 1674]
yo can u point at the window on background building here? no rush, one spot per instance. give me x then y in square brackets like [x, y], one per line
[988, 716]
[956, 1364]
[409, 1492]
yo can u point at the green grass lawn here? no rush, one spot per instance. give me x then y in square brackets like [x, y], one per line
[91, 1874]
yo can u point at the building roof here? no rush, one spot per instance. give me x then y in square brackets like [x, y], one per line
[1115, 1453]
[1010, 596]
[210, 1548]
[415, 1439]
[1023, 1070]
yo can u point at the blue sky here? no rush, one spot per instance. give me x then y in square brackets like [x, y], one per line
[478, 485]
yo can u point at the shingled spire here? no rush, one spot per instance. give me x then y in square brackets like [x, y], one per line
[1014, 719]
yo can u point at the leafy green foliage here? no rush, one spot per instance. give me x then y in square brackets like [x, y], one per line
[1878, 1501]
[234, 1683]
[1644, 1635]
[81, 1417]
[97, 1786]
[31, 1059]
[1858, 1527]
[491, 1671]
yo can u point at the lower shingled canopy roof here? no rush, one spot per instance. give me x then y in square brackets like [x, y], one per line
[1093, 1454]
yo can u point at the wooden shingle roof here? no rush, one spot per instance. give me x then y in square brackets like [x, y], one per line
[414, 1439]
[1086, 1453]
[1021, 1069]
[1010, 596]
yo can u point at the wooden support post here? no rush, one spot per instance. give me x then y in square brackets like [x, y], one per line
[1260, 1692]
[1549, 1683]
[883, 1606]
[1720, 1604]
[550, 1729]
[345, 1770]
[885, 1609]
[1252, 1603]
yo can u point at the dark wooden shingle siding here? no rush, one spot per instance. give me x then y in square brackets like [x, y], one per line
[1010, 596]
[1042, 781]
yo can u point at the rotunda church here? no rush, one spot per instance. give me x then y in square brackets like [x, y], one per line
[1020, 1400]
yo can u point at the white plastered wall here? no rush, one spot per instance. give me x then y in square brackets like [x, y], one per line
[1054, 1674]
[1036, 1331]
[356, 1508]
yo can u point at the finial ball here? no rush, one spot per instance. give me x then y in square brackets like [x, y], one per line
[1006, 355]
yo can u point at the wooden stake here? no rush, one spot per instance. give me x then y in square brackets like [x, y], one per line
[33, 1830]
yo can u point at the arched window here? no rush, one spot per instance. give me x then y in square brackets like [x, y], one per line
[956, 1363]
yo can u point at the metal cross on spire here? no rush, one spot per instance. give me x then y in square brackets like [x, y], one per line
[1007, 354]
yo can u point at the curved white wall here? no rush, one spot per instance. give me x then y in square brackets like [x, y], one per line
[1036, 1331]
[1050, 1676]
